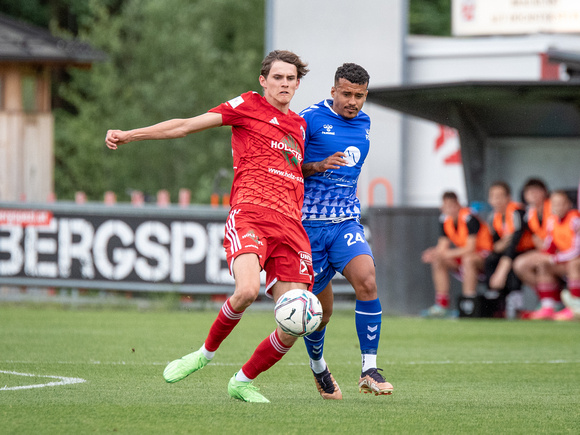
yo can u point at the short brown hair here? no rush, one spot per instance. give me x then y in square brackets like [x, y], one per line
[535, 182]
[503, 185]
[450, 195]
[284, 56]
[563, 193]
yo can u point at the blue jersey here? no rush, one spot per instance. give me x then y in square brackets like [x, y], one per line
[332, 194]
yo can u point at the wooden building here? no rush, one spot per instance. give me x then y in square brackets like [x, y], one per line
[28, 55]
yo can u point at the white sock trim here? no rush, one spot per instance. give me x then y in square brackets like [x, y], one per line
[369, 361]
[241, 377]
[209, 355]
[548, 303]
[318, 366]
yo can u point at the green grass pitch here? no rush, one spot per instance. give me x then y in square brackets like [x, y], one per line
[450, 376]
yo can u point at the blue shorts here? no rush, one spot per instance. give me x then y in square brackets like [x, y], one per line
[333, 246]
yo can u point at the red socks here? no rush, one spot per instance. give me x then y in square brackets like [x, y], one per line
[442, 300]
[225, 322]
[268, 353]
[574, 287]
[548, 290]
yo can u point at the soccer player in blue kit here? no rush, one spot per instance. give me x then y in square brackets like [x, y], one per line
[337, 143]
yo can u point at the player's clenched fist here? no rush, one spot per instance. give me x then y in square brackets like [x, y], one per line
[115, 138]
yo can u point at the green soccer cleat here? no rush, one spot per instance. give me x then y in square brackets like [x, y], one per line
[183, 367]
[245, 391]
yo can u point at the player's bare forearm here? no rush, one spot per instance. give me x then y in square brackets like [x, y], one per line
[458, 252]
[171, 129]
[468, 248]
[334, 161]
[502, 244]
[309, 169]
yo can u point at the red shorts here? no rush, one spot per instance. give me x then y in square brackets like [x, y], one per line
[459, 273]
[281, 244]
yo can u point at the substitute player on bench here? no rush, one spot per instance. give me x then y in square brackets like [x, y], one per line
[559, 260]
[511, 238]
[263, 230]
[337, 143]
[462, 247]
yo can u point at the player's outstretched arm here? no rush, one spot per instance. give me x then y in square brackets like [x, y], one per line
[334, 161]
[172, 129]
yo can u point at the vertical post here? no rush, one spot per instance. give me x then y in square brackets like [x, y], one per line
[163, 199]
[110, 198]
[184, 197]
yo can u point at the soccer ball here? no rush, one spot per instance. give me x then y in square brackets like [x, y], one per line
[298, 312]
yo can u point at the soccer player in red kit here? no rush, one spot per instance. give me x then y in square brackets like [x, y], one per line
[263, 229]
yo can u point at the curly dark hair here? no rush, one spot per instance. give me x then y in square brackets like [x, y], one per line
[353, 73]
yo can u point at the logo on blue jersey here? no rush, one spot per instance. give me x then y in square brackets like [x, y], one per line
[352, 156]
[328, 129]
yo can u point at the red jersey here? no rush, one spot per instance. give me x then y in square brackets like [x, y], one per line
[268, 149]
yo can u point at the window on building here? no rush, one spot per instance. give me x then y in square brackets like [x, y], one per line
[29, 93]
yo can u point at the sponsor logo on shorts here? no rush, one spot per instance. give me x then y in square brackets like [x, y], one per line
[253, 237]
[305, 263]
[303, 268]
[306, 257]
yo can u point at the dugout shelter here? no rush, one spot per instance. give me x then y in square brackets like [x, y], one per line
[508, 130]
[28, 58]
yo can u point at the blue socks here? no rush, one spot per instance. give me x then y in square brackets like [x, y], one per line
[314, 346]
[368, 325]
[367, 316]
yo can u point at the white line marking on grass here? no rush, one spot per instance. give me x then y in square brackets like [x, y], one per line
[63, 380]
[559, 361]
[221, 363]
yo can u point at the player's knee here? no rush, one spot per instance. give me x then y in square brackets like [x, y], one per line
[323, 323]
[469, 261]
[518, 265]
[366, 289]
[574, 265]
[438, 263]
[326, 314]
[244, 296]
[286, 339]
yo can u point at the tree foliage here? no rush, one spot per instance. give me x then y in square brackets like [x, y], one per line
[430, 17]
[167, 59]
[171, 59]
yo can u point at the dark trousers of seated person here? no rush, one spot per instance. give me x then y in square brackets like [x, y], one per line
[512, 281]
